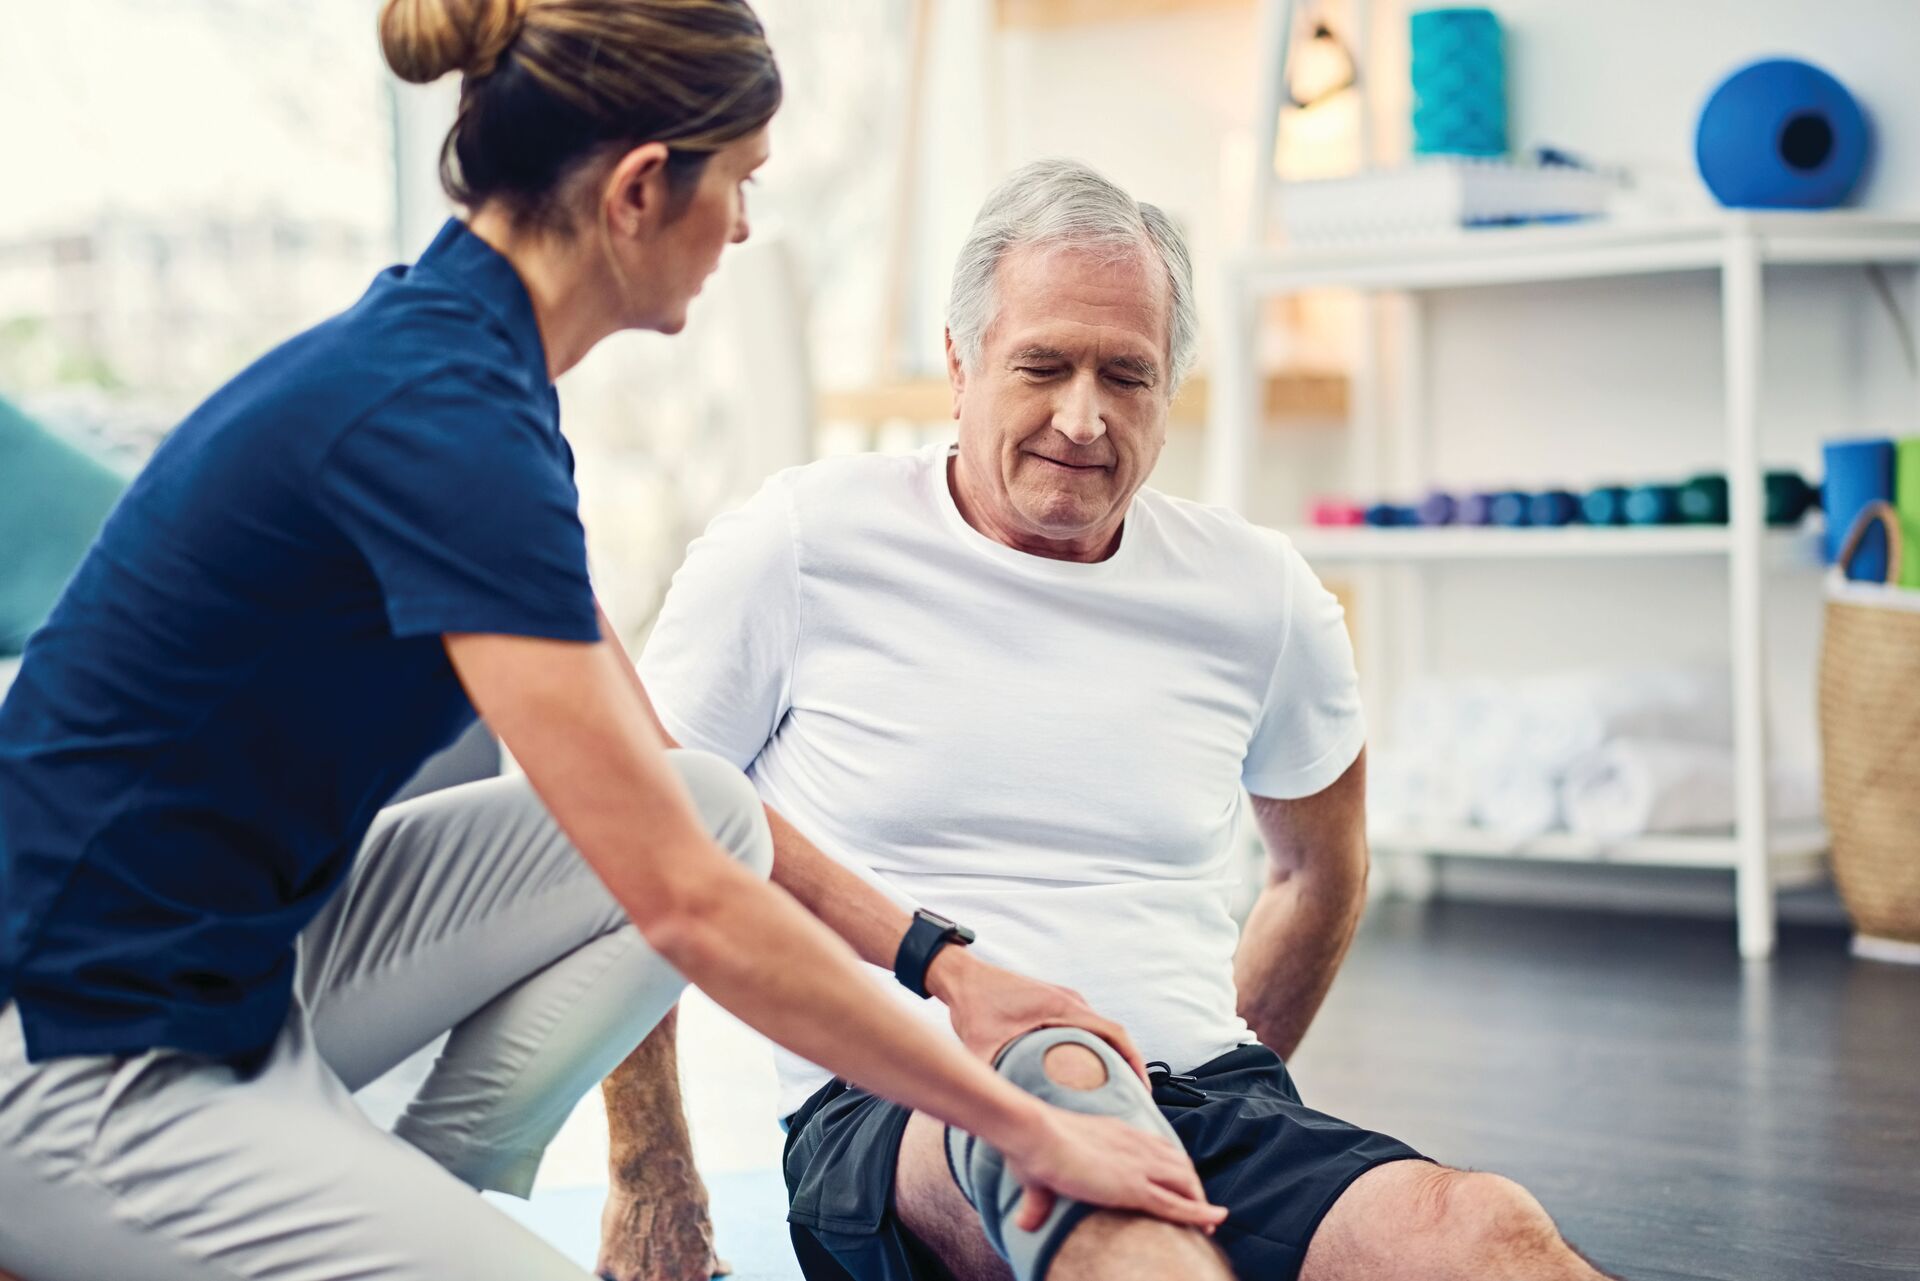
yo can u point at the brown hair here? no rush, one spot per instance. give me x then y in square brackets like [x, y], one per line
[553, 84]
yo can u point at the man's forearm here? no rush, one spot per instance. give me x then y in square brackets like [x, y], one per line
[1290, 949]
[650, 1143]
[870, 922]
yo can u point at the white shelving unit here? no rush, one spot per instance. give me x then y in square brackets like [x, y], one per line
[1783, 549]
[1738, 247]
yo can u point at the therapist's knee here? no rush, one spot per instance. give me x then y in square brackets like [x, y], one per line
[729, 807]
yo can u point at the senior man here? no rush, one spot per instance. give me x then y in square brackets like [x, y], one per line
[1004, 682]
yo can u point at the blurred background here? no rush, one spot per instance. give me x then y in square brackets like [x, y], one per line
[1548, 329]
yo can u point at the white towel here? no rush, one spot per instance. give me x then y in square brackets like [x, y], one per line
[1518, 805]
[1569, 716]
[1495, 752]
[1417, 789]
[1644, 786]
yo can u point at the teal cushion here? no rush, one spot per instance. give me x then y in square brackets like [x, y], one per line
[53, 499]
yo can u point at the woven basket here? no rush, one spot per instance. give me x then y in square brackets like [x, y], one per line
[1870, 743]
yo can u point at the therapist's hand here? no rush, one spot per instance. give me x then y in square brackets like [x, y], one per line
[990, 1006]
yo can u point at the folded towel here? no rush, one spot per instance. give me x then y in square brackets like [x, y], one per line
[1571, 715]
[1496, 752]
[1518, 805]
[1644, 786]
[1413, 789]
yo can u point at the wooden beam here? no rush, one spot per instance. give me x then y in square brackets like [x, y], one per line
[1074, 13]
[1289, 396]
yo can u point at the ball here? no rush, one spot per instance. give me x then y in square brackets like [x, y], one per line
[1781, 134]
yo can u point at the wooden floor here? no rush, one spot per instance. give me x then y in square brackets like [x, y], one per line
[1681, 1114]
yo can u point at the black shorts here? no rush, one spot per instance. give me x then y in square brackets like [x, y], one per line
[1275, 1164]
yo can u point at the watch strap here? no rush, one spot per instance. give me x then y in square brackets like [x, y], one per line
[924, 939]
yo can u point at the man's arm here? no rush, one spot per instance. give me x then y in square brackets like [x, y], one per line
[1300, 927]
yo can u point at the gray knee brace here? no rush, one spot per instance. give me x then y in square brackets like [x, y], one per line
[982, 1173]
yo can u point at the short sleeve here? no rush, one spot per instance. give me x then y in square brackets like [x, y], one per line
[460, 496]
[719, 663]
[1311, 727]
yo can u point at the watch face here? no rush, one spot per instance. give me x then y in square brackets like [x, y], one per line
[934, 918]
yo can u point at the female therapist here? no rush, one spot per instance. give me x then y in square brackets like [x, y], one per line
[207, 938]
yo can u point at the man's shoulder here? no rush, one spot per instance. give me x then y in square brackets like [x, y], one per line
[1217, 536]
[839, 473]
[853, 491]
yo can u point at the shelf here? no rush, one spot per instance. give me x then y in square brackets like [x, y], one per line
[1796, 852]
[1295, 395]
[1794, 547]
[1517, 255]
[1079, 13]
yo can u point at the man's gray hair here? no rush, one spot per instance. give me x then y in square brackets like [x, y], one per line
[1064, 204]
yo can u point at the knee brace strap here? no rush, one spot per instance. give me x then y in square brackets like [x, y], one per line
[982, 1173]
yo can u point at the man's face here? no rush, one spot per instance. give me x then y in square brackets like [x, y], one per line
[1065, 413]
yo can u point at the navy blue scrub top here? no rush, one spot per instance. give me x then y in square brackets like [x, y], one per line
[249, 661]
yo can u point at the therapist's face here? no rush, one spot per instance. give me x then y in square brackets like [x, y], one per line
[669, 254]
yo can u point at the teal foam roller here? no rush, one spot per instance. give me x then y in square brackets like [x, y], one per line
[1606, 505]
[1459, 75]
[1653, 505]
[1704, 501]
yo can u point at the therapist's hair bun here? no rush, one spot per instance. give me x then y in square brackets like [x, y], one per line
[427, 39]
[554, 85]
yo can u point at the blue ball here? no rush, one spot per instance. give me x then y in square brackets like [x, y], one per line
[1781, 134]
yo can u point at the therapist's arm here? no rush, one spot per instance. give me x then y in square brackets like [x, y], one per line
[567, 712]
[1303, 921]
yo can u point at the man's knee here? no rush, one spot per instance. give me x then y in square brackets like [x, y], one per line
[1071, 1069]
[729, 807]
[1075, 1066]
[1481, 1215]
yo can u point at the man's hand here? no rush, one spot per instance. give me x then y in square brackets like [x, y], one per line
[991, 1006]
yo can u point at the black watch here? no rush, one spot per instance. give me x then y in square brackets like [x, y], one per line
[929, 933]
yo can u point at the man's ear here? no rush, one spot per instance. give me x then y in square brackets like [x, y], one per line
[956, 373]
[635, 193]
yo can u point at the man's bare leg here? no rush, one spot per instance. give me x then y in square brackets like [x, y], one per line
[656, 1225]
[1107, 1246]
[1412, 1220]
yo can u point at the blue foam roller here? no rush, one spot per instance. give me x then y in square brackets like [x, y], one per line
[1606, 505]
[1781, 134]
[1652, 505]
[1858, 472]
[1438, 509]
[1510, 510]
[1474, 509]
[1384, 515]
[1553, 507]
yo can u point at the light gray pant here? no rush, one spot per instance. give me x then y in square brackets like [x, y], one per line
[467, 910]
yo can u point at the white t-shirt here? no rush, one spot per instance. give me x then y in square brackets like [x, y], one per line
[1048, 751]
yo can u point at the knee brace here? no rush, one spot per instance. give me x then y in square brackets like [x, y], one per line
[982, 1172]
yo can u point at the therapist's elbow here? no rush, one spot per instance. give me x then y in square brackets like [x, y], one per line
[680, 912]
[688, 924]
